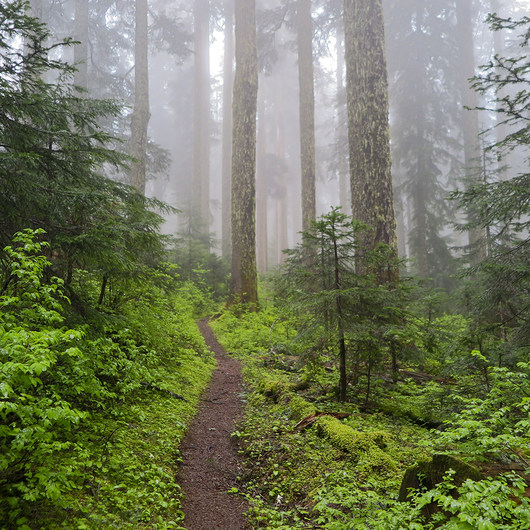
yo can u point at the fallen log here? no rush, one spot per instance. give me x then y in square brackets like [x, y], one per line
[309, 420]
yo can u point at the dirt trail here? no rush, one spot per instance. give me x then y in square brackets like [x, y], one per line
[210, 460]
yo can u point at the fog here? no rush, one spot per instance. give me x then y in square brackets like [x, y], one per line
[431, 54]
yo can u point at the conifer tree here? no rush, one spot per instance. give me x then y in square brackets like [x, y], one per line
[140, 117]
[369, 137]
[244, 275]
[307, 111]
[423, 88]
[51, 160]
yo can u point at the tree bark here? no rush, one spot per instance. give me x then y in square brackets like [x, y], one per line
[201, 121]
[368, 129]
[228, 87]
[141, 114]
[244, 275]
[341, 131]
[81, 49]
[307, 111]
[261, 191]
[470, 125]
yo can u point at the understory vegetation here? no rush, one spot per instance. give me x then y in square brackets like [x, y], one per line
[459, 429]
[91, 413]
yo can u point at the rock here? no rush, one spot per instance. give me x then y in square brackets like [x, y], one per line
[427, 473]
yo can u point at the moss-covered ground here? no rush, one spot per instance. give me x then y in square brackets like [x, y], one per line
[337, 473]
[345, 471]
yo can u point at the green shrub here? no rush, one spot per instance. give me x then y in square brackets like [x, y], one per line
[88, 433]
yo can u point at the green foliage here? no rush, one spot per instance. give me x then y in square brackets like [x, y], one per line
[301, 479]
[346, 474]
[53, 156]
[253, 332]
[86, 416]
[36, 416]
[197, 262]
[350, 315]
[488, 504]
[497, 424]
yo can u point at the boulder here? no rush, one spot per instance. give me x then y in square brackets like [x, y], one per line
[427, 473]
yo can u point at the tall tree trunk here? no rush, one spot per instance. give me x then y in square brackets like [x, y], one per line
[261, 190]
[282, 221]
[369, 139]
[81, 49]
[341, 130]
[470, 125]
[307, 111]
[141, 115]
[244, 285]
[228, 87]
[35, 11]
[201, 121]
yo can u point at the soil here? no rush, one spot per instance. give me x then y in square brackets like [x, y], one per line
[210, 460]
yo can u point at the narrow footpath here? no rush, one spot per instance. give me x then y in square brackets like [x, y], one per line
[210, 460]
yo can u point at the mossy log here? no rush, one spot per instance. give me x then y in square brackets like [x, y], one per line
[274, 388]
[365, 448]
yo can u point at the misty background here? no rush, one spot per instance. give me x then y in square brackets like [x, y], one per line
[433, 48]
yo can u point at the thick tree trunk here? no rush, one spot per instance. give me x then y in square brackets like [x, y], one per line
[141, 115]
[369, 142]
[244, 275]
[307, 111]
[261, 191]
[342, 128]
[282, 218]
[470, 125]
[201, 121]
[81, 49]
[228, 87]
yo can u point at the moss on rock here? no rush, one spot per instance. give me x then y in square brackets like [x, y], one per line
[427, 473]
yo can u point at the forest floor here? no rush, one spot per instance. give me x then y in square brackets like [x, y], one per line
[210, 459]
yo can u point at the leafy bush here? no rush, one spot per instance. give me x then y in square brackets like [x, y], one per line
[36, 355]
[80, 406]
